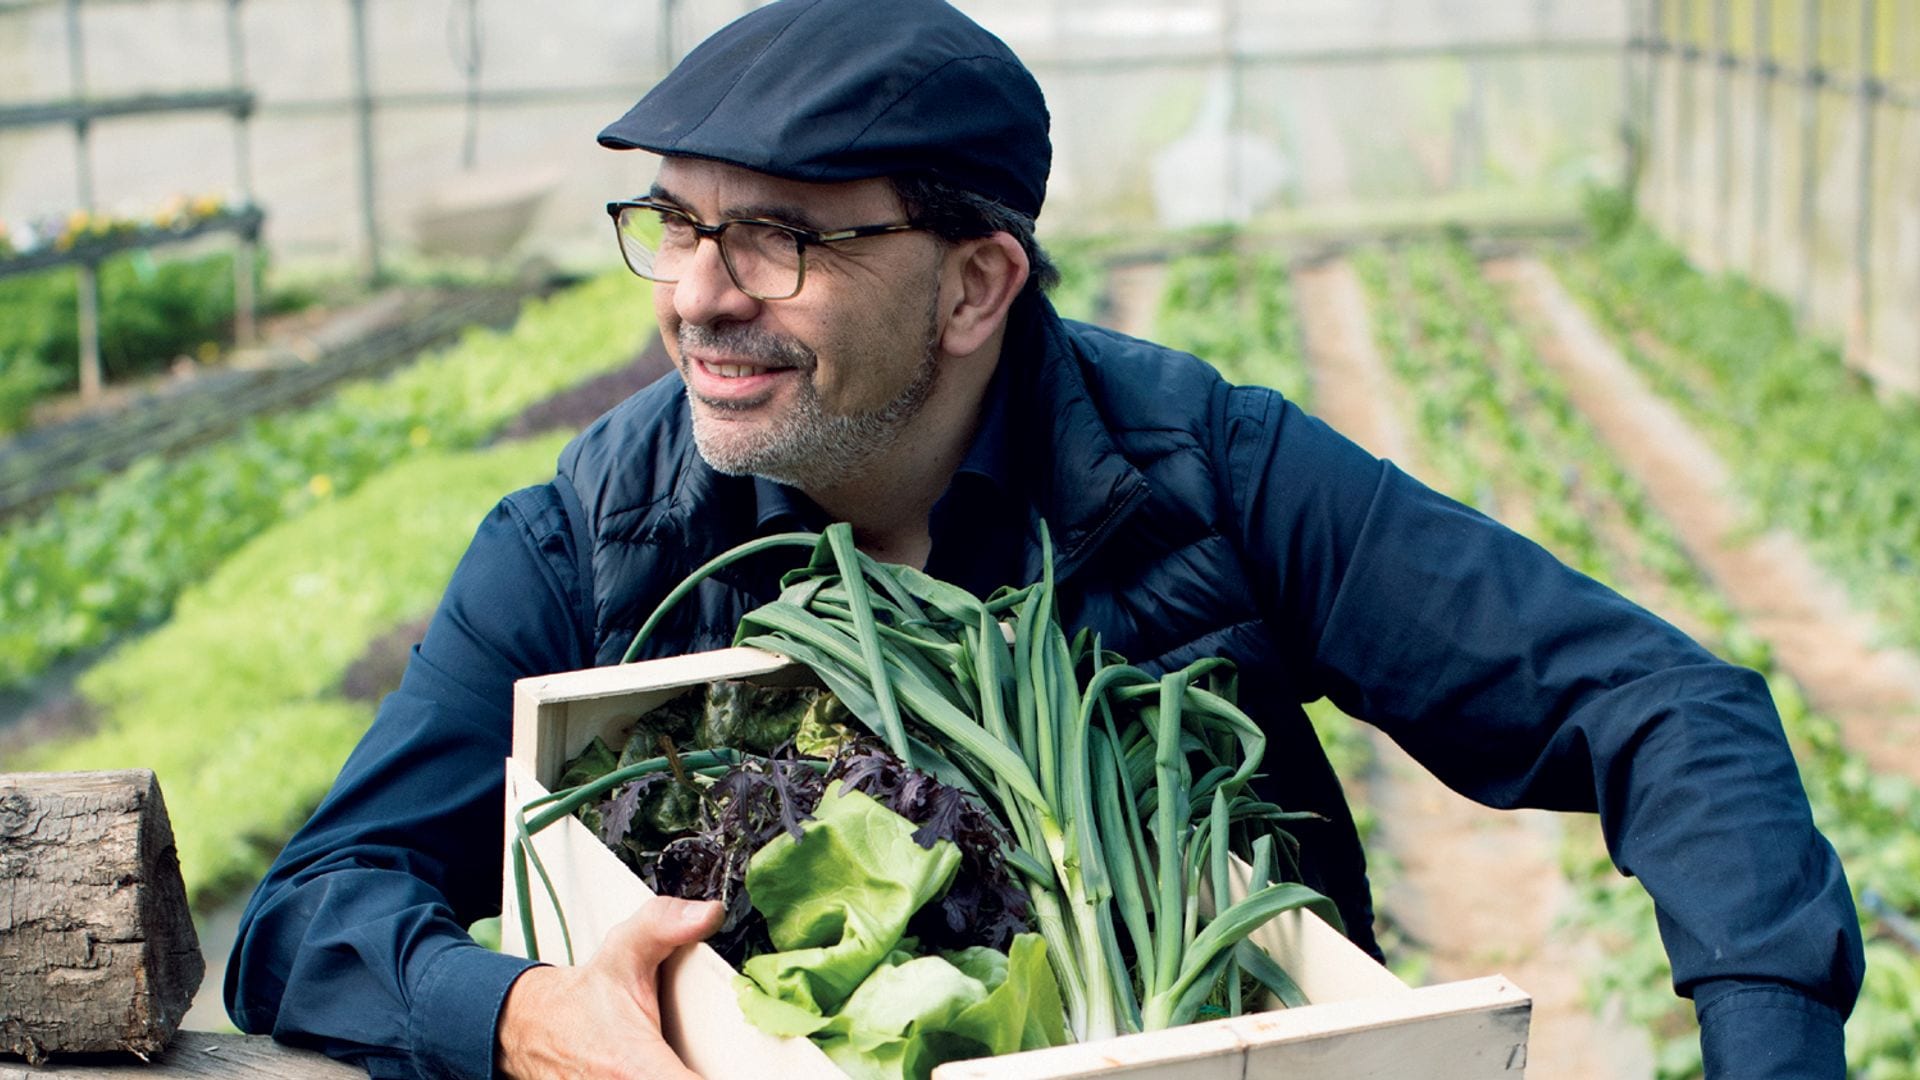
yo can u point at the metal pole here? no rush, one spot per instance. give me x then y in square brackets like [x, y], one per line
[470, 145]
[363, 101]
[1229, 34]
[666, 36]
[1811, 76]
[1475, 142]
[1629, 100]
[1683, 137]
[1625, 126]
[1723, 134]
[88, 273]
[245, 303]
[1656, 37]
[1868, 92]
[1763, 71]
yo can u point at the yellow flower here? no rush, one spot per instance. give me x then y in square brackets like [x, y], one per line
[320, 486]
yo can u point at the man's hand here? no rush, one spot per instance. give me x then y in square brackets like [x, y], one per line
[602, 1020]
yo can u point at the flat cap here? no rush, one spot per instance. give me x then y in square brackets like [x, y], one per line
[830, 90]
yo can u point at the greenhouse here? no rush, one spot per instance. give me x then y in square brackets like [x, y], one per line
[1590, 326]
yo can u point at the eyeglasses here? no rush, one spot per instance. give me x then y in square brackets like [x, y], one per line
[766, 259]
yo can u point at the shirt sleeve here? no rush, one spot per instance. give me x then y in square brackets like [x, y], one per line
[1520, 682]
[355, 942]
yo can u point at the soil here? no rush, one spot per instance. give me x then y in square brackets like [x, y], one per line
[1829, 647]
[1479, 890]
[376, 672]
[576, 408]
[1476, 891]
[57, 711]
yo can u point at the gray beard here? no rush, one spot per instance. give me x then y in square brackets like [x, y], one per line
[808, 448]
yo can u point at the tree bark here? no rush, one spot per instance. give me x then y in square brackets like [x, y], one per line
[97, 948]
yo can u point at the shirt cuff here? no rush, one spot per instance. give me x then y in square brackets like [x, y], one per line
[1763, 1031]
[457, 1010]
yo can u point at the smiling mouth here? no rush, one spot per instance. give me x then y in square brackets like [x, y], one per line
[738, 371]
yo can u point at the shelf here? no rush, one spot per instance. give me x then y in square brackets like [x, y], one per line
[93, 250]
[43, 113]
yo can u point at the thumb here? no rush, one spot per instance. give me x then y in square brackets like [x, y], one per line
[662, 925]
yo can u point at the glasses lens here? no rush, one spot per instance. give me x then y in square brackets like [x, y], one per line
[765, 260]
[658, 243]
[652, 240]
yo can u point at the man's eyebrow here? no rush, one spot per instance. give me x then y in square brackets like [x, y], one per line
[784, 213]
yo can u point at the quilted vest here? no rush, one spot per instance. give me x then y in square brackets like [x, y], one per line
[1130, 445]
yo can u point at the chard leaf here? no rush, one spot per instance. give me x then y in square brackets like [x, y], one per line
[596, 761]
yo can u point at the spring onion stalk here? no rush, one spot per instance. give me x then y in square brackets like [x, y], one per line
[1124, 793]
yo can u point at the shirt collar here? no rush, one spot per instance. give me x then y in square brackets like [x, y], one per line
[987, 455]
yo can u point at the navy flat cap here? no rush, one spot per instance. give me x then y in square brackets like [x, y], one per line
[829, 90]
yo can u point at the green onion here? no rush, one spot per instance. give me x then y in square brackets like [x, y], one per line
[1124, 794]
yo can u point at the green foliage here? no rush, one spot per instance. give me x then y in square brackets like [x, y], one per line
[151, 310]
[837, 900]
[233, 702]
[1510, 427]
[1809, 443]
[98, 564]
[1083, 281]
[913, 1015]
[24, 380]
[1235, 311]
[1609, 212]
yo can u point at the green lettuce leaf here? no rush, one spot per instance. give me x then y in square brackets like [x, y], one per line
[908, 1018]
[837, 901]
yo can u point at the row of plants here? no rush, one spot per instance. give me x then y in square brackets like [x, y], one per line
[1235, 310]
[152, 311]
[1447, 330]
[1810, 443]
[177, 213]
[236, 702]
[96, 565]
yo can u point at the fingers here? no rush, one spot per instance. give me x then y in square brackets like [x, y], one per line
[662, 925]
[603, 1020]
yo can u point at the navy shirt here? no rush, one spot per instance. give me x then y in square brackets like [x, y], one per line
[1516, 680]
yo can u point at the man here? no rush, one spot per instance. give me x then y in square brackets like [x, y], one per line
[846, 278]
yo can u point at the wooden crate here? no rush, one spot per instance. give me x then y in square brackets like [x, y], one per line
[1363, 1022]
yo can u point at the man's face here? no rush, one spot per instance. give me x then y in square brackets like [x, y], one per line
[811, 390]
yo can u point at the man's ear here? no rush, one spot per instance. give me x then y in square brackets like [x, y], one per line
[983, 276]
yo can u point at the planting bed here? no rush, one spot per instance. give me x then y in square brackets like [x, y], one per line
[1461, 372]
[1517, 442]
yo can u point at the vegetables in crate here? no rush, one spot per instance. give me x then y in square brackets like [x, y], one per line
[1123, 795]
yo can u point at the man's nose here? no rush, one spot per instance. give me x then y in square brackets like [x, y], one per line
[706, 292]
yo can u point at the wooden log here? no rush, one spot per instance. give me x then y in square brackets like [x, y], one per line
[197, 1055]
[97, 948]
